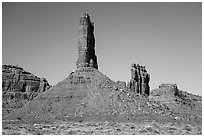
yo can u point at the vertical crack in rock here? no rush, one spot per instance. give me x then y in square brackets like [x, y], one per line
[86, 43]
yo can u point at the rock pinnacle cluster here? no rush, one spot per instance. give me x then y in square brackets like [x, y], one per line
[86, 43]
[139, 82]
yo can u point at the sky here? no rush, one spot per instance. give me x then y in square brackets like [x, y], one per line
[165, 37]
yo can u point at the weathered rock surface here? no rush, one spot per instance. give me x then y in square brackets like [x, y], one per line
[86, 43]
[88, 95]
[19, 86]
[122, 84]
[139, 82]
[184, 104]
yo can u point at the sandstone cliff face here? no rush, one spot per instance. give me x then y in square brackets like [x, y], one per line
[86, 43]
[19, 86]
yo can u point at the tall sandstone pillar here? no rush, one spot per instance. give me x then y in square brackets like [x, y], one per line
[86, 43]
[139, 82]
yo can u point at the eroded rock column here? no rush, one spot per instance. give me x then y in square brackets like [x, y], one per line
[86, 43]
[139, 82]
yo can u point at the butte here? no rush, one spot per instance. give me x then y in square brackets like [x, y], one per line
[87, 94]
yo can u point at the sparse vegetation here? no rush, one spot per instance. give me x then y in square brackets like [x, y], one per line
[100, 128]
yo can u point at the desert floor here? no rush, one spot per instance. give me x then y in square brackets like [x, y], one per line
[98, 128]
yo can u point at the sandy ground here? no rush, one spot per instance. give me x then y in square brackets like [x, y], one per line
[99, 128]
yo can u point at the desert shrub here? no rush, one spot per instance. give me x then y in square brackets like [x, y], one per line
[152, 130]
[71, 132]
[143, 131]
[187, 128]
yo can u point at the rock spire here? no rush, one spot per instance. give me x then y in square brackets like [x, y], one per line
[139, 82]
[86, 43]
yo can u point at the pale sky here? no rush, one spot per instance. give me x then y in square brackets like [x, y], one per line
[165, 37]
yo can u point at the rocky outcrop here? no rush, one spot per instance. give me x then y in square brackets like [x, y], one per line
[139, 82]
[86, 43]
[180, 102]
[170, 94]
[88, 95]
[122, 84]
[19, 86]
[168, 90]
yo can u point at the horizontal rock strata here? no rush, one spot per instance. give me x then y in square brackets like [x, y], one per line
[19, 86]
